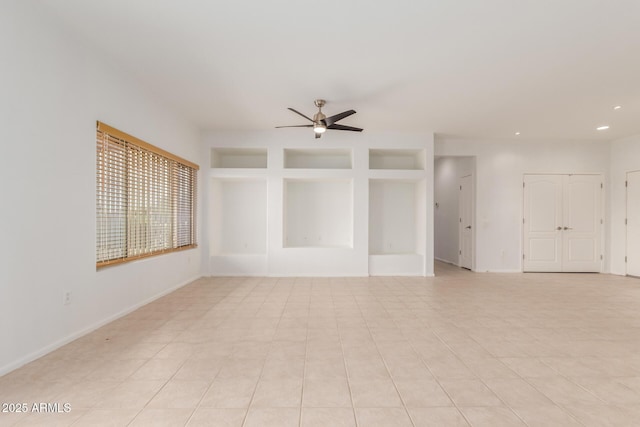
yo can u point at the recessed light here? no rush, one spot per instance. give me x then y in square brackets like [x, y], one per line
[517, 133]
[617, 107]
[603, 127]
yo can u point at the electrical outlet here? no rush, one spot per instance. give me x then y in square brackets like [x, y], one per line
[66, 297]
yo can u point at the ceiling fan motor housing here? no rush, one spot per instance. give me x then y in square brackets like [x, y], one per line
[321, 123]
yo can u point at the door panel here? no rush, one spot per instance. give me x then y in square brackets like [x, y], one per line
[582, 214]
[562, 223]
[633, 223]
[466, 232]
[542, 217]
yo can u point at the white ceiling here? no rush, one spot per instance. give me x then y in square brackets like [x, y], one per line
[470, 68]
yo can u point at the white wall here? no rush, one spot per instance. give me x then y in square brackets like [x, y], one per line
[447, 173]
[281, 260]
[500, 166]
[625, 157]
[53, 91]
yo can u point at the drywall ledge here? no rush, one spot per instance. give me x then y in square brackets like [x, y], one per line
[317, 158]
[247, 158]
[397, 159]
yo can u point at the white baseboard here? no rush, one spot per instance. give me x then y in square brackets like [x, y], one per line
[446, 261]
[503, 271]
[74, 336]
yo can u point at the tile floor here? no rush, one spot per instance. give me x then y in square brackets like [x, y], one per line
[456, 350]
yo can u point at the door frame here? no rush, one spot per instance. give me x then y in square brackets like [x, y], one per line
[626, 218]
[472, 195]
[603, 216]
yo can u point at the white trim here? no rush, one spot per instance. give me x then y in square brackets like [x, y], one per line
[503, 271]
[74, 336]
[446, 261]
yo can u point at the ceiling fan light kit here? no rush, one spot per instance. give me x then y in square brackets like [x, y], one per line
[321, 123]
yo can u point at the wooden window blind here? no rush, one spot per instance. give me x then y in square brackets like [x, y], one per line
[145, 199]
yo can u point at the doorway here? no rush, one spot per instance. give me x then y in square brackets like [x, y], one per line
[454, 210]
[465, 222]
[562, 223]
[633, 224]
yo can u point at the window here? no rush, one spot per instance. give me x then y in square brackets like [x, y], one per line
[145, 199]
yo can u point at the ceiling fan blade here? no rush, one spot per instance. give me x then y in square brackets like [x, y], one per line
[342, 127]
[298, 112]
[295, 126]
[331, 120]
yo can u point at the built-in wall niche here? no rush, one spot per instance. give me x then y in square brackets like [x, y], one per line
[318, 213]
[249, 158]
[324, 158]
[396, 220]
[238, 208]
[397, 159]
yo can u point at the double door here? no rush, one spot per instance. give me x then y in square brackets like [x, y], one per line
[562, 223]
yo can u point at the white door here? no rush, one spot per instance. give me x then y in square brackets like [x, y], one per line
[633, 223]
[562, 223]
[542, 222]
[465, 223]
[581, 223]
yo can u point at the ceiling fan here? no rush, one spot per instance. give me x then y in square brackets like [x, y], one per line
[320, 122]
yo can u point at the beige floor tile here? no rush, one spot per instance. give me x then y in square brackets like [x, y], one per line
[490, 368]
[273, 417]
[107, 417]
[215, 417]
[546, 416]
[241, 368]
[51, 419]
[179, 394]
[418, 393]
[199, 369]
[407, 367]
[603, 415]
[610, 390]
[283, 368]
[492, 417]
[116, 370]
[367, 368]
[541, 344]
[8, 419]
[326, 393]
[287, 350]
[371, 393]
[154, 417]
[158, 369]
[382, 417]
[324, 417]
[437, 417]
[229, 393]
[130, 394]
[517, 392]
[564, 392]
[530, 367]
[176, 350]
[470, 393]
[321, 369]
[279, 393]
[449, 368]
[211, 350]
